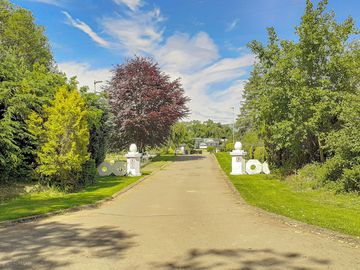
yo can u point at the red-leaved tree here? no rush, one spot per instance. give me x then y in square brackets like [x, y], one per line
[145, 103]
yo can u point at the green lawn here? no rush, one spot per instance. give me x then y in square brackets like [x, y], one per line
[317, 207]
[49, 201]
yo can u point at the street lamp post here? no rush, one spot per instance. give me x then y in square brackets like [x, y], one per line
[95, 83]
[233, 126]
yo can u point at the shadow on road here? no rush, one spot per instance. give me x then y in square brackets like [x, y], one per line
[243, 259]
[52, 245]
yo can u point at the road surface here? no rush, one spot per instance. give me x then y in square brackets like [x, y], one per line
[183, 217]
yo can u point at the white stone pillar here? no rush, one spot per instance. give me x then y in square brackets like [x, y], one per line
[133, 161]
[237, 160]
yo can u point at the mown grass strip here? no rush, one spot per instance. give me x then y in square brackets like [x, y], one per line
[312, 207]
[51, 201]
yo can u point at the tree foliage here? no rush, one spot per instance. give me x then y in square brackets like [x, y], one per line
[19, 33]
[99, 124]
[298, 96]
[64, 136]
[145, 103]
[37, 132]
[27, 82]
[186, 132]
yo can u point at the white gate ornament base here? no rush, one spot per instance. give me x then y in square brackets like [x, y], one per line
[240, 166]
[254, 166]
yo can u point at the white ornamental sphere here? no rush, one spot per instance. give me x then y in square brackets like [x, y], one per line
[133, 148]
[238, 146]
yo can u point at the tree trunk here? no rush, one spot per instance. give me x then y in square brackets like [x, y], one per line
[321, 152]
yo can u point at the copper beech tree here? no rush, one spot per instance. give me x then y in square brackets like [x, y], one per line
[145, 103]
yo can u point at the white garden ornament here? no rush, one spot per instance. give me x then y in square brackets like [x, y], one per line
[131, 167]
[240, 166]
[253, 166]
[133, 161]
[237, 160]
[117, 168]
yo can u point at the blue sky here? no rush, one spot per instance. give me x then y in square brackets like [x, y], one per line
[201, 41]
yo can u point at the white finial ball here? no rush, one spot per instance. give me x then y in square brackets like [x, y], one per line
[238, 146]
[133, 148]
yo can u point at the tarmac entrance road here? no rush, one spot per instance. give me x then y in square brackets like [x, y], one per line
[183, 217]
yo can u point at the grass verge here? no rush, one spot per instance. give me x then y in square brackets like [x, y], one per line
[317, 207]
[53, 200]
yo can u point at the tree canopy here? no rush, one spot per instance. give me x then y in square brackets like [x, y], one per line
[42, 132]
[297, 97]
[27, 82]
[145, 103]
[64, 136]
[186, 132]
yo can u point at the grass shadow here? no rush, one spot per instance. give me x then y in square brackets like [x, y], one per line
[163, 158]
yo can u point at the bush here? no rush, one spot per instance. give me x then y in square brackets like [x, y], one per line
[64, 135]
[229, 146]
[334, 174]
[334, 168]
[312, 175]
[211, 149]
[88, 173]
[250, 140]
[170, 151]
[250, 152]
[259, 153]
[312, 171]
[351, 179]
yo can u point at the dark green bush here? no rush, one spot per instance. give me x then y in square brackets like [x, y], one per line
[351, 179]
[88, 173]
[312, 175]
[211, 149]
[333, 168]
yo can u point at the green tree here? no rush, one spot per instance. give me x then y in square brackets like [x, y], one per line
[295, 93]
[345, 144]
[179, 135]
[27, 82]
[19, 33]
[65, 137]
[186, 132]
[99, 123]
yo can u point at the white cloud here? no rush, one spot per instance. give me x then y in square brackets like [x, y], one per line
[135, 32]
[50, 2]
[131, 4]
[193, 58]
[86, 29]
[216, 104]
[232, 25]
[85, 74]
[235, 90]
[183, 53]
